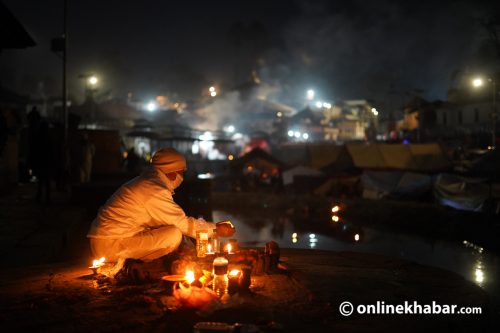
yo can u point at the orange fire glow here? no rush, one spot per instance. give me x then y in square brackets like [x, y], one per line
[190, 277]
[98, 262]
[234, 272]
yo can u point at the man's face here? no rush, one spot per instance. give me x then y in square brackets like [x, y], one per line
[173, 175]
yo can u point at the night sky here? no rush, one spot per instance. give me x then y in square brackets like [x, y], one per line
[378, 50]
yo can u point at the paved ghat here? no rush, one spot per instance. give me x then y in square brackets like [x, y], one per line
[306, 298]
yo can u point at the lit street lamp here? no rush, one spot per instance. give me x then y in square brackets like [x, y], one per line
[92, 81]
[90, 84]
[310, 95]
[151, 106]
[478, 82]
[212, 91]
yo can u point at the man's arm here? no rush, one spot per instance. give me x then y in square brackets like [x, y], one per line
[163, 210]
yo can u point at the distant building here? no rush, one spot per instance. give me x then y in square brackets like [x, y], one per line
[351, 120]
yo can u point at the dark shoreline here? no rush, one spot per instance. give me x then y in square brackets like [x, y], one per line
[432, 221]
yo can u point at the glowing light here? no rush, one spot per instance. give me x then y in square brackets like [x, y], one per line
[229, 248]
[294, 235]
[294, 240]
[279, 114]
[479, 275]
[318, 104]
[98, 262]
[311, 236]
[151, 106]
[195, 148]
[477, 82]
[310, 94]
[290, 133]
[230, 157]
[190, 277]
[335, 218]
[335, 209]
[305, 136]
[211, 89]
[213, 94]
[207, 136]
[93, 80]
[296, 134]
[356, 237]
[230, 129]
[234, 272]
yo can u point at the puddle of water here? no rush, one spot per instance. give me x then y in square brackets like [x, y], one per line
[469, 260]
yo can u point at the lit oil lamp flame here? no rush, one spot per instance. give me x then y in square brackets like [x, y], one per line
[98, 262]
[234, 272]
[190, 277]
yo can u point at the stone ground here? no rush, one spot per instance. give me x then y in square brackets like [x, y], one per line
[62, 295]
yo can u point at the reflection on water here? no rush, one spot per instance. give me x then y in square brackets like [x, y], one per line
[479, 268]
[312, 241]
[465, 258]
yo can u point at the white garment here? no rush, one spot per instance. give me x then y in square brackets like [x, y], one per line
[144, 203]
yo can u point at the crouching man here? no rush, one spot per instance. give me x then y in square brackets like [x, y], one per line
[141, 219]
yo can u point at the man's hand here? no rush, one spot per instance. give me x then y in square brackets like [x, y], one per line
[225, 229]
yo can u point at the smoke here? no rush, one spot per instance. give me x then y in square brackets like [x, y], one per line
[222, 111]
[248, 108]
[374, 50]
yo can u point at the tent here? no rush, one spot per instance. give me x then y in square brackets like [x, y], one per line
[300, 170]
[395, 184]
[424, 158]
[292, 154]
[465, 193]
[330, 159]
[257, 159]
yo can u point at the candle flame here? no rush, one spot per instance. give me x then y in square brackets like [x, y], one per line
[234, 272]
[209, 248]
[229, 248]
[98, 262]
[190, 277]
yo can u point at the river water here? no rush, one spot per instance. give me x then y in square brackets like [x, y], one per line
[463, 257]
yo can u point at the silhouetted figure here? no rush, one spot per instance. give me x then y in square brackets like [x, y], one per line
[3, 132]
[133, 161]
[87, 152]
[34, 120]
[43, 161]
[61, 158]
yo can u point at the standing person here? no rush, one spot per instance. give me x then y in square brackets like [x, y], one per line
[141, 219]
[44, 162]
[87, 154]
